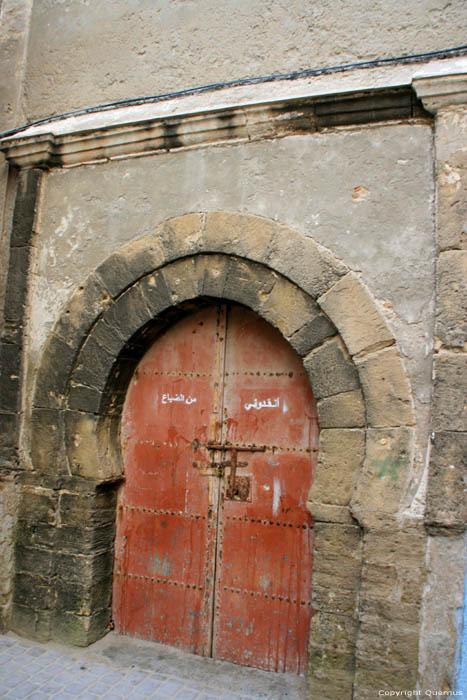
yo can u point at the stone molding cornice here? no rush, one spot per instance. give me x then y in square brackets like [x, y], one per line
[441, 92]
[440, 86]
[234, 114]
[229, 125]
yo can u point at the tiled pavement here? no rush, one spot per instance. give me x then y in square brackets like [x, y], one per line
[122, 668]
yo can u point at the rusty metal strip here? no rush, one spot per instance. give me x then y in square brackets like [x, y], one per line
[258, 521]
[268, 596]
[265, 374]
[174, 373]
[153, 579]
[178, 514]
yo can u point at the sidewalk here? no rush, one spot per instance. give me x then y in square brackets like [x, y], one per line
[120, 667]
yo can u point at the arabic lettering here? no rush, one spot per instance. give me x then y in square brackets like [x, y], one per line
[167, 398]
[267, 403]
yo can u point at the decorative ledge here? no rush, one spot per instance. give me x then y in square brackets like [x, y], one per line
[442, 84]
[229, 125]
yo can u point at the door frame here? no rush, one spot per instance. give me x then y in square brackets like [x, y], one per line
[326, 314]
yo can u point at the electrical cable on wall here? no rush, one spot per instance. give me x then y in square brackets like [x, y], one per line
[310, 72]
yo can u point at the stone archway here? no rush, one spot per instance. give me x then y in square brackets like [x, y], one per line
[329, 318]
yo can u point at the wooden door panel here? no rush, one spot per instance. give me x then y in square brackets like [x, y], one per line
[265, 543]
[165, 543]
[198, 565]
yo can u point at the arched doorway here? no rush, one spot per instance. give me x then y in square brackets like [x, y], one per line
[214, 541]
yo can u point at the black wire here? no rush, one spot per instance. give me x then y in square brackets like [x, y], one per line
[414, 58]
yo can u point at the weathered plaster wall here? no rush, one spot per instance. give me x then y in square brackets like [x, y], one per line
[83, 53]
[363, 193]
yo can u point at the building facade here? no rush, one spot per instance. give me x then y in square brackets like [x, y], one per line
[330, 203]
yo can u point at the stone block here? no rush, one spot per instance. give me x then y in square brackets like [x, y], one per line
[16, 292]
[155, 292]
[331, 370]
[34, 592]
[130, 263]
[335, 632]
[9, 427]
[82, 600]
[355, 315]
[93, 367]
[451, 320]
[83, 445]
[35, 624]
[452, 207]
[10, 362]
[30, 533]
[90, 510]
[238, 234]
[389, 611]
[54, 372]
[129, 313]
[84, 398]
[215, 275]
[382, 481]
[84, 538]
[446, 502]
[182, 236]
[329, 689]
[312, 334]
[248, 283]
[449, 398]
[34, 560]
[305, 262]
[80, 630]
[337, 602]
[107, 337]
[38, 504]
[85, 570]
[337, 556]
[341, 454]
[405, 548]
[184, 278]
[386, 388]
[87, 303]
[330, 674]
[46, 440]
[326, 513]
[342, 411]
[287, 308]
[392, 648]
[28, 185]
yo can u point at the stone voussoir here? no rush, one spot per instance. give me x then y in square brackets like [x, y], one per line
[286, 306]
[342, 410]
[134, 260]
[355, 315]
[341, 454]
[331, 370]
[239, 234]
[307, 263]
[386, 388]
[383, 479]
[182, 236]
[87, 303]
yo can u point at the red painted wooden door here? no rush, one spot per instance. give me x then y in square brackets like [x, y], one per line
[214, 542]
